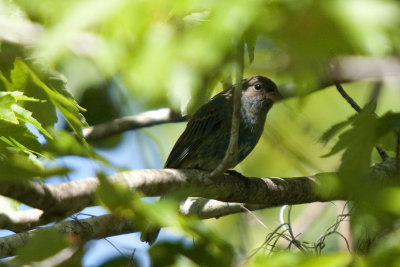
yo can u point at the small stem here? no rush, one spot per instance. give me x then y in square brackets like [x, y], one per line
[398, 150]
[347, 97]
[234, 134]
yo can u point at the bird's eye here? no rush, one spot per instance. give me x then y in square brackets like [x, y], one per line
[257, 86]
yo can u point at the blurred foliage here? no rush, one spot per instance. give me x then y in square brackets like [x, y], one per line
[122, 56]
[208, 249]
[50, 242]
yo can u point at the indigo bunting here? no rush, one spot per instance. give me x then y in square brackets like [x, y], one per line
[206, 138]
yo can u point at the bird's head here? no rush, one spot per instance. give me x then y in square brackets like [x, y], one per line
[260, 90]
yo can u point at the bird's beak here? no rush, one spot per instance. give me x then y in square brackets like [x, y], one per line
[273, 95]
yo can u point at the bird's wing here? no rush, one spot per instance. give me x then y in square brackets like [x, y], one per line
[203, 122]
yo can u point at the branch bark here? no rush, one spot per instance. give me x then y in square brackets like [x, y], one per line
[73, 196]
[354, 68]
[91, 228]
[109, 225]
[60, 201]
[120, 125]
[257, 193]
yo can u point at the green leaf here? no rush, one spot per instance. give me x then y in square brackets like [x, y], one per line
[388, 122]
[335, 129]
[167, 253]
[12, 123]
[8, 204]
[15, 144]
[18, 166]
[6, 112]
[65, 143]
[19, 136]
[53, 89]
[250, 39]
[283, 259]
[43, 111]
[359, 142]
[361, 135]
[26, 116]
[366, 131]
[113, 196]
[123, 201]
[19, 96]
[44, 243]
[386, 251]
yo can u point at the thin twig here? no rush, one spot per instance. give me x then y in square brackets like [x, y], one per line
[269, 238]
[254, 215]
[347, 97]
[333, 229]
[116, 248]
[293, 237]
[234, 135]
[398, 151]
[398, 146]
[277, 238]
[132, 259]
[120, 125]
[376, 91]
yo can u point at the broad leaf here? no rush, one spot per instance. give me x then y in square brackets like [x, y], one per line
[43, 244]
[52, 89]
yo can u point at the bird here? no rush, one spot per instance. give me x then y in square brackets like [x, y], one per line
[204, 142]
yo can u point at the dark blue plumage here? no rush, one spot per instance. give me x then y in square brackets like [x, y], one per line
[206, 138]
[204, 142]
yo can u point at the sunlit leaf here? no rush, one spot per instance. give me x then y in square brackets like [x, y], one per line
[284, 259]
[8, 204]
[19, 165]
[6, 112]
[55, 92]
[26, 116]
[124, 202]
[70, 145]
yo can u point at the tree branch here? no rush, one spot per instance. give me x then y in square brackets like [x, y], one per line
[71, 197]
[354, 68]
[60, 201]
[209, 208]
[203, 208]
[261, 192]
[109, 225]
[76, 195]
[92, 228]
[120, 125]
[18, 221]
